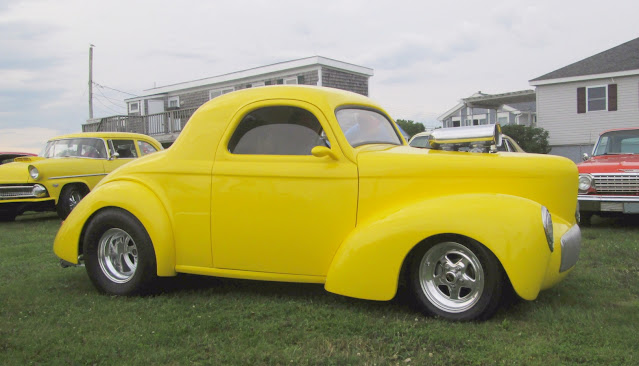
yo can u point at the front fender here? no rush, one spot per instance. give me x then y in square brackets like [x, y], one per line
[131, 196]
[368, 263]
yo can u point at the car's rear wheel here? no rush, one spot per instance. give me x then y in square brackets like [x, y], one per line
[70, 196]
[118, 253]
[457, 278]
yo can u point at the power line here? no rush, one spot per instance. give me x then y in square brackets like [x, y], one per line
[111, 100]
[120, 91]
[107, 107]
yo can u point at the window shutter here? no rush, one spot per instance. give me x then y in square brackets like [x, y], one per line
[612, 97]
[581, 100]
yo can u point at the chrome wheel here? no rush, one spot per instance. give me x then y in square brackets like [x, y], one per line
[74, 198]
[451, 277]
[117, 255]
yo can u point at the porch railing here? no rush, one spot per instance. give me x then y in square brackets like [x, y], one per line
[151, 124]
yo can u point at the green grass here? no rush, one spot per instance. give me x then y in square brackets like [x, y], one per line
[50, 315]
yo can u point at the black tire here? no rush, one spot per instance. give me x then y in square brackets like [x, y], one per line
[118, 254]
[585, 218]
[70, 196]
[457, 279]
[8, 216]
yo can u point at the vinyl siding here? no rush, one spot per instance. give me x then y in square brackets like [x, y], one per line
[557, 111]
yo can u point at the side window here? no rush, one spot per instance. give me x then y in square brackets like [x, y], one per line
[125, 148]
[277, 131]
[145, 148]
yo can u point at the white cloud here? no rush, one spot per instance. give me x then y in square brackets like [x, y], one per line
[30, 139]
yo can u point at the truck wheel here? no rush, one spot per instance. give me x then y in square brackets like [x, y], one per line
[118, 254]
[69, 198]
[457, 279]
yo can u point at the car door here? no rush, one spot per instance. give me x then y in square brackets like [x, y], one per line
[276, 207]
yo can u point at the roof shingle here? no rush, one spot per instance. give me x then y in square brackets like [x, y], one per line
[624, 57]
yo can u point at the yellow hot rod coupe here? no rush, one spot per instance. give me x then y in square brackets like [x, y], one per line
[316, 185]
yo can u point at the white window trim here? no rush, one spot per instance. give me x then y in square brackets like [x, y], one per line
[605, 97]
[222, 91]
[171, 99]
[136, 110]
[290, 81]
[258, 84]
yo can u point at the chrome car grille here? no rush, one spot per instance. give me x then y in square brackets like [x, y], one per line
[617, 183]
[15, 192]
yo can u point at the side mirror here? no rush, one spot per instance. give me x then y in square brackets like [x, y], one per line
[585, 157]
[321, 151]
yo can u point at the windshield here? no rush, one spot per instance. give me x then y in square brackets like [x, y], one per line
[362, 126]
[618, 142]
[79, 147]
[421, 141]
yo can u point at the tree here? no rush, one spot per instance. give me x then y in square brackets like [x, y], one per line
[411, 128]
[531, 139]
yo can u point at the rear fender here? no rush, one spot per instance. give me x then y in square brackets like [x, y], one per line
[368, 263]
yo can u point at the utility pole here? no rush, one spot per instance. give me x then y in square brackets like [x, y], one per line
[91, 81]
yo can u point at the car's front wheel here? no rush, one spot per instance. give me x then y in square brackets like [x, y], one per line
[457, 278]
[70, 196]
[118, 253]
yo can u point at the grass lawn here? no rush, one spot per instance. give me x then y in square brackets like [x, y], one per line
[50, 315]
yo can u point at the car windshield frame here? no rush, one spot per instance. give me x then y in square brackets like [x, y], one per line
[610, 143]
[363, 126]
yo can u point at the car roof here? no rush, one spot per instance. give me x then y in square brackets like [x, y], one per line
[107, 135]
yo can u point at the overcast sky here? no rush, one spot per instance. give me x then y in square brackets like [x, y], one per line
[426, 55]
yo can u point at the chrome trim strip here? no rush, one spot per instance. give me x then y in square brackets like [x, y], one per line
[600, 198]
[77, 176]
[620, 174]
[570, 247]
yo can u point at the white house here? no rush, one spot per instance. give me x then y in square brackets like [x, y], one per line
[577, 102]
[516, 108]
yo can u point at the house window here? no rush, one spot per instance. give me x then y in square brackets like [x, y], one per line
[255, 85]
[300, 79]
[290, 81]
[174, 102]
[597, 98]
[134, 107]
[217, 92]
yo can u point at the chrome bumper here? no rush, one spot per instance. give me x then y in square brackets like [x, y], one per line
[601, 203]
[570, 247]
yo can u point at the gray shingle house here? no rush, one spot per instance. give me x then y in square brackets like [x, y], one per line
[480, 109]
[163, 111]
[577, 102]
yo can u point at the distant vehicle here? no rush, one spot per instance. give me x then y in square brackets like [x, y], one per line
[7, 157]
[609, 179]
[67, 169]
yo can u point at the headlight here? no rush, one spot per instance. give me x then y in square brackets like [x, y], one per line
[546, 220]
[585, 182]
[39, 191]
[33, 172]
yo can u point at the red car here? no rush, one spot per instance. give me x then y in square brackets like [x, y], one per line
[609, 179]
[7, 157]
